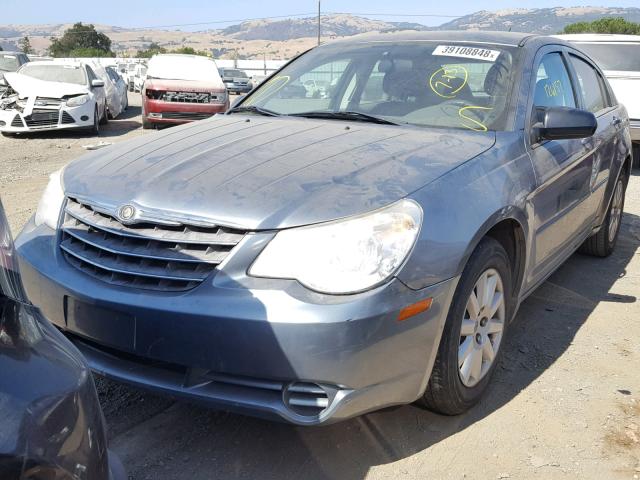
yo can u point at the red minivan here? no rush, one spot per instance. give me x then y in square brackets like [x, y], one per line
[181, 89]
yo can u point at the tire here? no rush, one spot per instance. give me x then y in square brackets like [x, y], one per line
[126, 102]
[603, 243]
[95, 128]
[455, 387]
[105, 115]
[131, 87]
[635, 152]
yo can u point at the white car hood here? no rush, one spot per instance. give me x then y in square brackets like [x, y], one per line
[30, 87]
[626, 86]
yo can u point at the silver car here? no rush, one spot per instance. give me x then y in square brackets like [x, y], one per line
[312, 259]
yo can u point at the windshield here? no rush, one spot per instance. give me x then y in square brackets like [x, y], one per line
[177, 67]
[614, 56]
[55, 73]
[8, 63]
[422, 83]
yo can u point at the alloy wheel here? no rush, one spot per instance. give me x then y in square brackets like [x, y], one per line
[482, 328]
[616, 210]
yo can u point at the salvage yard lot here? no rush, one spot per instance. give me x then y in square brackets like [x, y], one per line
[565, 402]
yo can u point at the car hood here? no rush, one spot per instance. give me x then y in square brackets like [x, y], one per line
[626, 86]
[266, 173]
[184, 85]
[27, 86]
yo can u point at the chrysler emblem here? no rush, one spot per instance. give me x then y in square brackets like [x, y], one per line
[126, 213]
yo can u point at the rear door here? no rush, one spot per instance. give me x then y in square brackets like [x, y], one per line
[595, 97]
[563, 168]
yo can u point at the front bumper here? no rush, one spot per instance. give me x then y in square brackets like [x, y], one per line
[14, 121]
[634, 129]
[241, 349]
[161, 112]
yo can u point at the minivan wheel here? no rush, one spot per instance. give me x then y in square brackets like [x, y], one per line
[604, 242]
[474, 332]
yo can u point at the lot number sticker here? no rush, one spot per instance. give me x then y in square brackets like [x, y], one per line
[467, 52]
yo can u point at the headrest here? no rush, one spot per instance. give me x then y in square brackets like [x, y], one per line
[496, 79]
[388, 65]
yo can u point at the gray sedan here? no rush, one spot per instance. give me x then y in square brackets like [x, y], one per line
[315, 258]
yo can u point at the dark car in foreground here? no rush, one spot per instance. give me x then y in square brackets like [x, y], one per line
[235, 80]
[51, 425]
[312, 259]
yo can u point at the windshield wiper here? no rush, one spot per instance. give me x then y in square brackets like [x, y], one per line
[345, 115]
[253, 109]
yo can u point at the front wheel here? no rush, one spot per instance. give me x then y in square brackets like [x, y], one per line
[474, 332]
[95, 128]
[604, 242]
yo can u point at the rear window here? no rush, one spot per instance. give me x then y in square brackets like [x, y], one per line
[55, 73]
[623, 57]
[178, 67]
[8, 63]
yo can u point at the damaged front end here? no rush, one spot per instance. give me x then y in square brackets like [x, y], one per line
[29, 111]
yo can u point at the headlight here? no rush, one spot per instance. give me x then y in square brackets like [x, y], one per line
[344, 256]
[51, 202]
[77, 101]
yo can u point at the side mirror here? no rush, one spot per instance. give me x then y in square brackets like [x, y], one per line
[97, 83]
[563, 123]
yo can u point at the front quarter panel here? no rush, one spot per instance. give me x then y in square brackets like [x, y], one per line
[463, 205]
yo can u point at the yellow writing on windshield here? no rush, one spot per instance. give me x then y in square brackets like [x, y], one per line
[472, 123]
[447, 81]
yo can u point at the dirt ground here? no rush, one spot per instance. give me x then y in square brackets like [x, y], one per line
[565, 403]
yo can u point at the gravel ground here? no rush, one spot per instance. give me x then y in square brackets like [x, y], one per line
[565, 402]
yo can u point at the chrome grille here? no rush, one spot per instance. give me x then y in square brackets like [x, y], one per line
[144, 255]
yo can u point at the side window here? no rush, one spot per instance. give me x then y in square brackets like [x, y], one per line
[553, 85]
[589, 85]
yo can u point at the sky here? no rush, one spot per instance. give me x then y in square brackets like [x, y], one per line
[145, 13]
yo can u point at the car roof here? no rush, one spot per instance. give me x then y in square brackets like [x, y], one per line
[489, 37]
[599, 37]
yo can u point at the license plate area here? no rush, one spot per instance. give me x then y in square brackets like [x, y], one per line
[105, 326]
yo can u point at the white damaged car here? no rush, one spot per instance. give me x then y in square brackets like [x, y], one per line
[53, 96]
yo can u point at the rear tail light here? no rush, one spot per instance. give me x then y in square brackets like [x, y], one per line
[10, 283]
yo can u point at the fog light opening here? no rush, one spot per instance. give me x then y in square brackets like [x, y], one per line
[84, 118]
[307, 399]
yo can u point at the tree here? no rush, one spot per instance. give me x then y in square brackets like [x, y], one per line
[605, 25]
[25, 46]
[151, 50]
[190, 51]
[81, 40]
